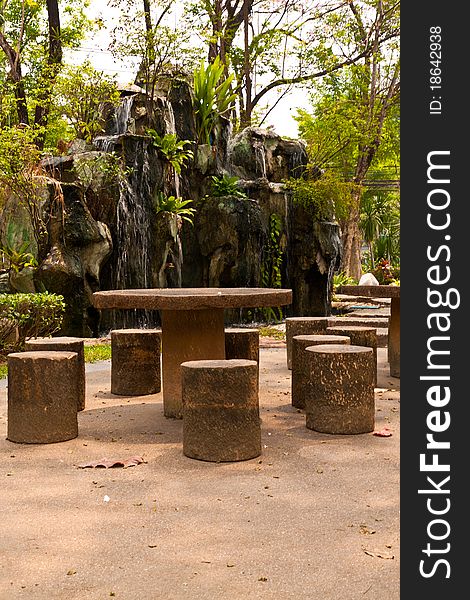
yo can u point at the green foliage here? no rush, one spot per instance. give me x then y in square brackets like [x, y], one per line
[271, 276]
[79, 95]
[226, 186]
[272, 332]
[272, 261]
[32, 315]
[211, 98]
[97, 170]
[176, 206]
[340, 279]
[327, 197]
[97, 352]
[20, 174]
[380, 226]
[172, 149]
[18, 259]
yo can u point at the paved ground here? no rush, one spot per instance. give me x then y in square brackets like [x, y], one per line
[315, 517]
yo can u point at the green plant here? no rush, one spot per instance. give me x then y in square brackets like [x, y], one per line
[226, 186]
[176, 206]
[171, 148]
[327, 197]
[272, 260]
[80, 93]
[97, 352]
[385, 273]
[30, 315]
[341, 278]
[18, 259]
[211, 98]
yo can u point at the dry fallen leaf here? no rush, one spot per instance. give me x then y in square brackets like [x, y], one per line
[105, 463]
[385, 432]
[379, 555]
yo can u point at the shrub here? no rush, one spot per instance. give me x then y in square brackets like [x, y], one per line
[31, 315]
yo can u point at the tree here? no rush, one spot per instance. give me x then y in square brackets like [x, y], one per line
[146, 35]
[355, 118]
[276, 45]
[32, 39]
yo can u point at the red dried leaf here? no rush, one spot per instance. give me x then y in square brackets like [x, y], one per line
[385, 432]
[105, 463]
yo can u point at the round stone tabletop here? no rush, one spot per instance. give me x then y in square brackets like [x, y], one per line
[192, 298]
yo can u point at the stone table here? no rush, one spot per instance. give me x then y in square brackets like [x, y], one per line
[383, 291]
[192, 324]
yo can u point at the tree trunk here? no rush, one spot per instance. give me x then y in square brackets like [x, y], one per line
[15, 75]
[54, 60]
[352, 241]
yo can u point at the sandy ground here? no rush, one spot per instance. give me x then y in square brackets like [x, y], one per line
[315, 517]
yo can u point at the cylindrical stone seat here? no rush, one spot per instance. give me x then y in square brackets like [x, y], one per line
[302, 326]
[43, 390]
[359, 336]
[221, 410]
[135, 362]
[64, 344]
[340, 398]
[300, 365]
[241, 343]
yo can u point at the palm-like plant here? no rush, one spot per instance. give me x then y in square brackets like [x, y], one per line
[172, 149]
[176, 206]
[211, 98]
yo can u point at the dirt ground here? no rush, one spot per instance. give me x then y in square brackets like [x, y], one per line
[315, 517]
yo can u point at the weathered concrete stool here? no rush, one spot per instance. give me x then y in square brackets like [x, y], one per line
[64, 344]
[302, 326]
[221, 410]
[242, 343]
[360, 336]
[135, 362]
[43, 389]
[300, 364]
[340, 396]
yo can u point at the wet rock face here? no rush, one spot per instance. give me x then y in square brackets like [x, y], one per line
[313, 256]
[78, 247]
[230, 235]
[256, 152]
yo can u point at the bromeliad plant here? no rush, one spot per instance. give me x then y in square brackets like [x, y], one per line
[213, 97]
[226, 186]
[176, 206]
[172, 149]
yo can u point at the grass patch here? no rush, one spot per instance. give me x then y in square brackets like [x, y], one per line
[3, 371]
[272, 332]
[98, 352]
[92, 354]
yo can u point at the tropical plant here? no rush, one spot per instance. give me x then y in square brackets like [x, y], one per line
[31, 315]
[212, 98]
[79, 95]
[176, 206]
[327, 196]
[226, 186]
[171, 148]
[18, 259]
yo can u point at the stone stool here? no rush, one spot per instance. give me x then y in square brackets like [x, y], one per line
[135, 362]
[360, 336]
[300, 371]
[242, 343]
[64, 344]
[43, 390]
[340, 396]
[302, 326]
[221, 410]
